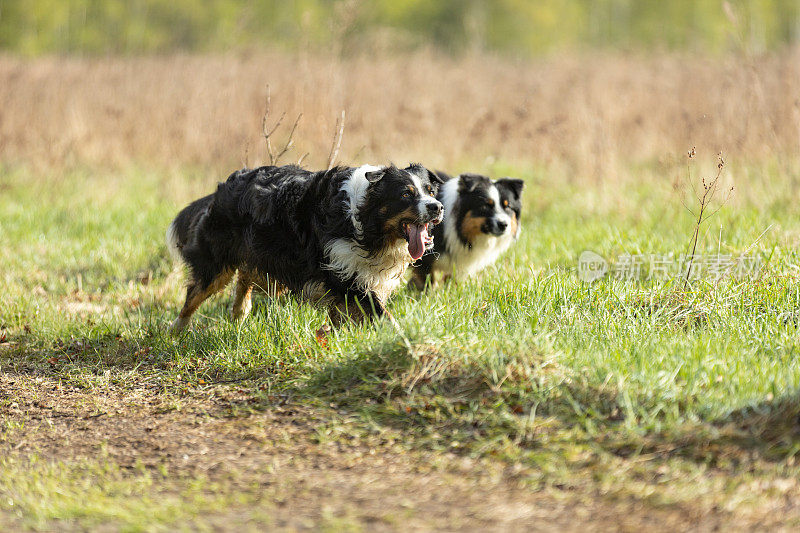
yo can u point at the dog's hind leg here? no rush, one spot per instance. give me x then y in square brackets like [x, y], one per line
[196, 293]
[243, 301]
[248, 282]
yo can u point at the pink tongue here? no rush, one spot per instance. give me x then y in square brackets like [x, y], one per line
[417, 235]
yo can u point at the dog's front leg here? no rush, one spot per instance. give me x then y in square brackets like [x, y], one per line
[356, 307]
[420, 279]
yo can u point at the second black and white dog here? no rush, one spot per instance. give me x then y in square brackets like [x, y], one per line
[481, 220]
[342, 237]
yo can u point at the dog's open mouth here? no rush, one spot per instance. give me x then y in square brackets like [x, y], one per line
[418, 239]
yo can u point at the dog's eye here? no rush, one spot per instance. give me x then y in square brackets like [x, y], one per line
[490, 203]
[505, 203]
[429, 189]
[407, 194]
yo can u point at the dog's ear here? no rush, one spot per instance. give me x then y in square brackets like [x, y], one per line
[374, 176]
[512, 184]
[437, 176]
[470, 181]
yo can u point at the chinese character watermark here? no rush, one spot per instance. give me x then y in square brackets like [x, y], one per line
[638, 267]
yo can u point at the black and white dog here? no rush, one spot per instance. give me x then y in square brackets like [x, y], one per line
[481, 220]
[341, 238]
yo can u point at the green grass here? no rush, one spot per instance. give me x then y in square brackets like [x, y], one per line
[100, 493]
[650, 390]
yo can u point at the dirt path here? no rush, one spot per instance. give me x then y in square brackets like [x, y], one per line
[302, 477]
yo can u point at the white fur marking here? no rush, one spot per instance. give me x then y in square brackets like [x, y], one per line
[417, 182]
[356, 188]
[449, 198]
[425, 198]
[172, 243]
[421, 204]
[380, 274]
[494, 194]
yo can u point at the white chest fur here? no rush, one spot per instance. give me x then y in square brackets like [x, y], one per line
[380, 274]
[463, 261]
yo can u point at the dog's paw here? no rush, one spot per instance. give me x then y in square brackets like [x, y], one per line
[178, 325]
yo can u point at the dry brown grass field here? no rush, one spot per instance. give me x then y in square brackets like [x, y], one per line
[589, 115]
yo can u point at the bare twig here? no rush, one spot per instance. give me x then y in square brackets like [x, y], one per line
[709, 191]
[289, 141]
[267, 132]
[337, 141]
[358, 152]
[246, 162]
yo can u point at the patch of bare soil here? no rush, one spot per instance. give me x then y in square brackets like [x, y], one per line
[301, 478]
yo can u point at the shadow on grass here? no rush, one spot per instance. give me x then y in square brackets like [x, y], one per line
[440, 399]
[455, 403]
[139, 342]
[769, 429]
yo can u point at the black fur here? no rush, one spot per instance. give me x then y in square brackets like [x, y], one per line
[275, 223]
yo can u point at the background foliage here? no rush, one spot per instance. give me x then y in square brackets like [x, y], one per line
[525, 27]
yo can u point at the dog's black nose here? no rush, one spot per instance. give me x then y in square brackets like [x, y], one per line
[435, 208]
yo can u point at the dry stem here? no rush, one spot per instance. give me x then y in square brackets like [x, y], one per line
[337, 141]
[709, 191]
[274, 157]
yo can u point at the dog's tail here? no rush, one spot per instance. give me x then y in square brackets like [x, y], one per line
[174, 244]
[184, 224]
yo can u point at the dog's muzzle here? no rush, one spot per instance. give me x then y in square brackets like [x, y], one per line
[432, 211]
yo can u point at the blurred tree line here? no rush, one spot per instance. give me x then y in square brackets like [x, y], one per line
[525, 27]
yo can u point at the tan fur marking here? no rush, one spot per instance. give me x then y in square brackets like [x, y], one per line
[243, 302]
[512, 225]
[247, 282]
[471, 227]
[270, 287]
[196, 295]
[393, 224]
[315, 292]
